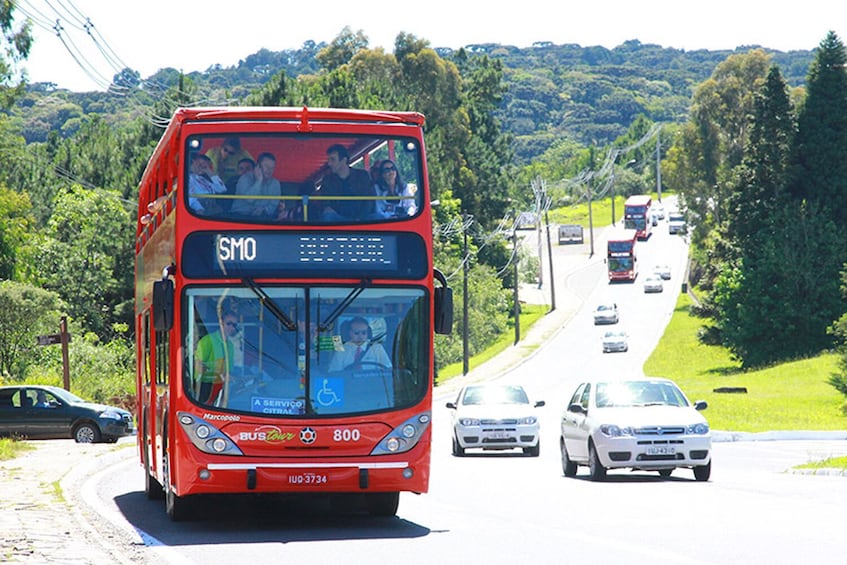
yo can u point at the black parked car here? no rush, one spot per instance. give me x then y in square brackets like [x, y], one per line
[49, 412]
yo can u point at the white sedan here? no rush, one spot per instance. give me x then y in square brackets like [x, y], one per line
[653, 283]
[606, 313]
[663, 271]
[495, 417]
[615, 340]
[642, 423]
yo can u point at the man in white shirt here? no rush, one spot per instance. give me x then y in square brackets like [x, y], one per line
[201, 181]
[358, 350]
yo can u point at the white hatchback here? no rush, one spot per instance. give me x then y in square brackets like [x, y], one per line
[495, 417]
[653, 283]
[642, 423]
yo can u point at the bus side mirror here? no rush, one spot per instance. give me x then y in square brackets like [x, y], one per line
[443, 306]
[163, 305]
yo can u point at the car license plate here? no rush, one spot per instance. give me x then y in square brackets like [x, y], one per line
[498, 435]
[661, 450]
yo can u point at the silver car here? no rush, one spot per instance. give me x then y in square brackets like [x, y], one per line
[641, 423]
[606, 313]
[495, 417]
[653, 283]
[615, 340]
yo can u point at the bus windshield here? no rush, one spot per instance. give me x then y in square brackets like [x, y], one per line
[303, 178]
[306, 351]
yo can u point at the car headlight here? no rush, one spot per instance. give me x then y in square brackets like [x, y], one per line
[528, 421]
[469, 421]
[611, 430]
[699, 429]
[111, 414]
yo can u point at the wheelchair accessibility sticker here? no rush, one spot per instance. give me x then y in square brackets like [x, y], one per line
[331, 392]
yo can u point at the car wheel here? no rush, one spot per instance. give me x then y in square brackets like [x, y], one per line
[703, 472]
[568, 466]
[665, 473]
[458, 450]
[533, 451]
[595, 469]
[382, 503]
[87, 433]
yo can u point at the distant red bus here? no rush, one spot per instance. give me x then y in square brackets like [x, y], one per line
[285, 315]
[636, 214]
[621, 258]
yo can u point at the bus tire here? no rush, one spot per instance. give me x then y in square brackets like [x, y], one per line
[382, 503]
[178, 508]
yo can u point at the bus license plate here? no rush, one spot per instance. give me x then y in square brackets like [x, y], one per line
[661, 450]
[307, 479]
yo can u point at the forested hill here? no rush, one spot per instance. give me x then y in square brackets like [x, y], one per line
[588, 94]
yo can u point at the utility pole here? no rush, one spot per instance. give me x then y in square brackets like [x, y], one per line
[66, 369]
[659, 166]
[517, 312]
[550, 257]
[466, 260]
[590, 218]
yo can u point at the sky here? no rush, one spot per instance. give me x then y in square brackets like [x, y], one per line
[97, 38]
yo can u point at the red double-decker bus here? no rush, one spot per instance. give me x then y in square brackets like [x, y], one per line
[285, 306]
[636, 214]
[621, 258]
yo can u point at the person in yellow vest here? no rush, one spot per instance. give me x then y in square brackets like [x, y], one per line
[213, 358]
[225, 159]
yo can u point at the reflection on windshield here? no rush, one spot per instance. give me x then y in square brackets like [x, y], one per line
[264, 349]
[639, 393]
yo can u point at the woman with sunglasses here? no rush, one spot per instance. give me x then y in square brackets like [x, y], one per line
[399, 197]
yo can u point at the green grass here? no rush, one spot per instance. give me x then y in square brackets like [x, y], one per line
[834, 462]
[530, 313]
[788, 396]
[11, 448]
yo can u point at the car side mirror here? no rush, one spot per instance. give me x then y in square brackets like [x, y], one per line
[450, 405]
[576, 408]
[539, 404]
[701, 405]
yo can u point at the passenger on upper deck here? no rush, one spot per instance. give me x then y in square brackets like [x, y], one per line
[260, 183]
[391, 185]
[225, 159]
[345, 181]
[202, 181]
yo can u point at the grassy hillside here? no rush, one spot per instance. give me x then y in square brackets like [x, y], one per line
[789, 396]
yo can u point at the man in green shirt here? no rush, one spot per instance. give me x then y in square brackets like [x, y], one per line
[214, 357]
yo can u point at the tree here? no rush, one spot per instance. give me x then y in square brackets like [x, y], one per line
[820, 150]
[86, 257]
[16, 44]
[16, 226]
[25, 312]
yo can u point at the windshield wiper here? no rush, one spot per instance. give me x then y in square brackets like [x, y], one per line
[269, 303]
[342, 306]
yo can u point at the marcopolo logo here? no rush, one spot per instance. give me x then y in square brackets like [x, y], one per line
[267, 434]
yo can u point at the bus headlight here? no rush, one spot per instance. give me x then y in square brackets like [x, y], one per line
[405, 436]
[206, 437]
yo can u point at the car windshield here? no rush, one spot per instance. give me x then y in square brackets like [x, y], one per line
[500, 394]
[638, 393]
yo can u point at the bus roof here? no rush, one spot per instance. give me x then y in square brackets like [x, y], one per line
[622, 234]
[304, 115]
[639, 200]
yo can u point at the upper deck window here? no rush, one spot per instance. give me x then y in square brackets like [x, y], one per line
[303, 179]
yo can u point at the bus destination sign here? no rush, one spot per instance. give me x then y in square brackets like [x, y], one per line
[271, 253]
